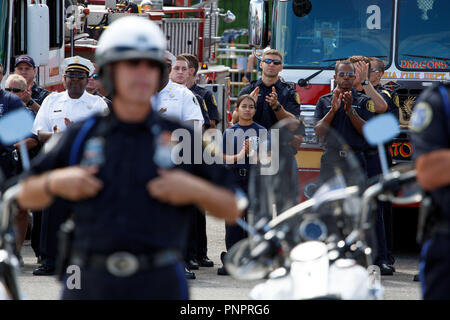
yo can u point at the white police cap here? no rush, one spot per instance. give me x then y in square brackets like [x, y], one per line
[78, 63]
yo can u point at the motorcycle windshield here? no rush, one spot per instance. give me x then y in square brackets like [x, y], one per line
[276, 184]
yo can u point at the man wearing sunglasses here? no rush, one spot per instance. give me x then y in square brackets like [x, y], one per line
[276, 100]
[95, 87]
[57, 112]
[344, 110]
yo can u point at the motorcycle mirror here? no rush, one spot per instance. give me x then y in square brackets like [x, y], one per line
[16, 126]
[240, 265]
[380, 130]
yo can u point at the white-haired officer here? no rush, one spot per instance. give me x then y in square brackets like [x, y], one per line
[131, 205]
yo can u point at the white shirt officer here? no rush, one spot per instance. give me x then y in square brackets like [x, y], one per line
[58, 106]
[179, 102]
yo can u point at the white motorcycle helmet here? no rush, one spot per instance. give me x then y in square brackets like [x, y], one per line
[130, 38]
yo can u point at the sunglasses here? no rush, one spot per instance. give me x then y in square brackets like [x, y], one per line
[350, 74]
[137, 62]
[275, 62]
[14, 90]
[95, 76]
[76, 75]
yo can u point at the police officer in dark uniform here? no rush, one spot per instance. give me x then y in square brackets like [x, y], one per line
[344, 110]
[376, 72]
[130, 212]
[368, 83]
[276, 100]
[430, 133]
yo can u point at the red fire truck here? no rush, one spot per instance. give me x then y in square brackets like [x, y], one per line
[412, 37]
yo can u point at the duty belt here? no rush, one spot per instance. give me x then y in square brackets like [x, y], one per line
[125, 264]
[242, 172]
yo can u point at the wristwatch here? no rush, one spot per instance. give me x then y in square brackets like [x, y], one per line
[349, 114]
[29, 103]
[277, 108]
[365, 83]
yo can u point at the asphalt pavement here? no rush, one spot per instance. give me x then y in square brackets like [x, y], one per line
[210, 286]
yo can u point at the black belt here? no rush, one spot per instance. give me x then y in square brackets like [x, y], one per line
[242, 172]
[343, 153]
[125, 264]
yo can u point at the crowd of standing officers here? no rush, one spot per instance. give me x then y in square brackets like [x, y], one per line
[140, 226]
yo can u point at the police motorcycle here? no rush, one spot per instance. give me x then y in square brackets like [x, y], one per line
[14, 126]
[321, 248]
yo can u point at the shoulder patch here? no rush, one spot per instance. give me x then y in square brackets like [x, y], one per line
[421, 117]
[204, 106]
[370, 105]
[386, 93]
[214, 100]
[297, 98]
[397, 101]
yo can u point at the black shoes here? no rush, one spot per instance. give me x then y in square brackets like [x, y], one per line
[192, 264]
[416, 278]
[385, 270]
[222, 271]
[205, 262]
[189, 274]
[44, 270]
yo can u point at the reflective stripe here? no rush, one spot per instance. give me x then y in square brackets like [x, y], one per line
[423, 256]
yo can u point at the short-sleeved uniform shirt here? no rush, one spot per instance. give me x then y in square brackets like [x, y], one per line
[58, 106]
[203, 108]
[342, 124]
[123, 216]
[234, 137]
[210, 101]
[180, 102]
[287, 97]
[430, 131]
[391, 99]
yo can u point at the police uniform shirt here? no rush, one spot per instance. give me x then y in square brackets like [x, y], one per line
[58, 106]
[210, 101]
[180, 103]
[342, 124]
[123, 216]
[38, 94]
[430, 131]
[391, 99]
[234, 137]
[287, 97]
[203, 108]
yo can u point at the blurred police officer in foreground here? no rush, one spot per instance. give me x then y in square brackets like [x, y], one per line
[130, 214]
[430, 126]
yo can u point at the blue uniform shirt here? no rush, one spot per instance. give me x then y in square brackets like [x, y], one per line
[123, 216]
[430, 131]
[38, 94]
[341, 123]
[209, 99]
[238, 134]
[287, 97]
